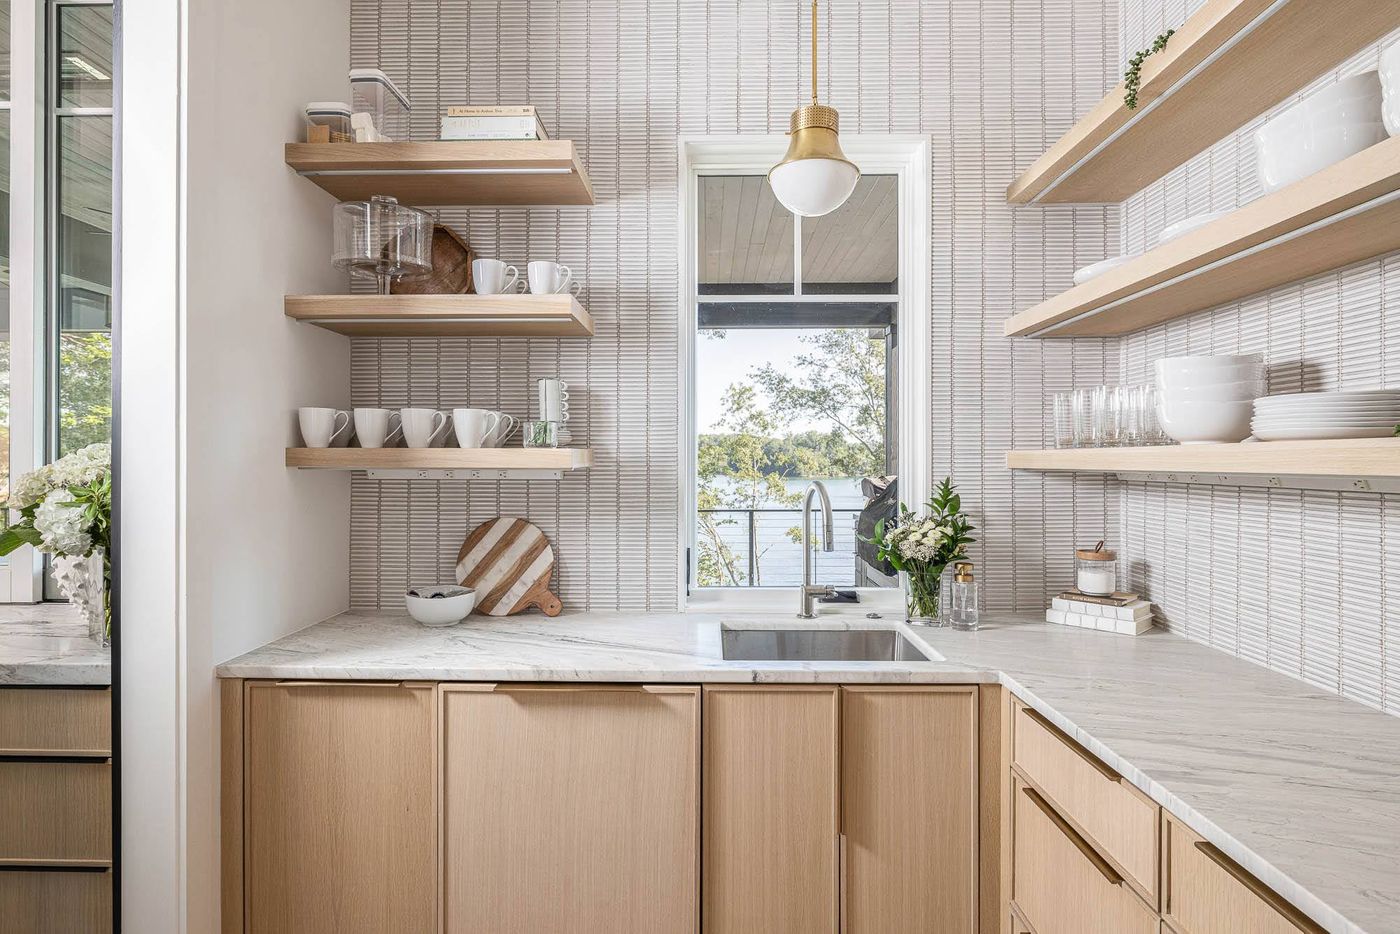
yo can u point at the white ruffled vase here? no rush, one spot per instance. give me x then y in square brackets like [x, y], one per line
[82, 583]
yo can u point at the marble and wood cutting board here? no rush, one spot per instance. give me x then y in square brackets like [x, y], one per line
[509, 562]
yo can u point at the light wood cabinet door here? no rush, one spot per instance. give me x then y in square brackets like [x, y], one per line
[56, 812]
[909, 809]
[340, 808]
[770, 809]
[44, 721]
[570, 808]
[38, 902]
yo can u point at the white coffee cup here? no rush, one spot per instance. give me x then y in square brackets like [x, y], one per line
[321, 426]
[505, 427]
[548, 278]
[422, 428]
[493, 277]
[554, 400]
[377, 427]
[474, 426]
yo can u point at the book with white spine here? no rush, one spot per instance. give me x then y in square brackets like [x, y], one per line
[492, 122]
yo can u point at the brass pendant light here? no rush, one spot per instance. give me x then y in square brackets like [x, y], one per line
[815, 177]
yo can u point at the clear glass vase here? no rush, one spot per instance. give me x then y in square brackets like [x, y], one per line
[923, 592]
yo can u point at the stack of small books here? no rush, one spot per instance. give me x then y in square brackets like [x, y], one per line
[1123, 613]
[492, 122]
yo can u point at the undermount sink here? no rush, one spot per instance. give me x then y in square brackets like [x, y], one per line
[819, 645]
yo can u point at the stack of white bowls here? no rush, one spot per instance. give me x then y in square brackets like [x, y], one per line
[1304, 416]
[1209, 400]
[1337, 122]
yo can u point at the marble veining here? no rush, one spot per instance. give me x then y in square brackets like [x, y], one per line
[1299, 786]
[47, 643]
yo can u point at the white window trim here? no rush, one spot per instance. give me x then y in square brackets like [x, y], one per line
[22, 572]
[910, 158]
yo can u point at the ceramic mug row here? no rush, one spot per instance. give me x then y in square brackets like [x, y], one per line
[493, 277]
[419, 428]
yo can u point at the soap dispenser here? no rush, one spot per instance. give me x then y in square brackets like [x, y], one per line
[963, 598]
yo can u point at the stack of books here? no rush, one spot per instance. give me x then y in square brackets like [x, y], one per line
[492, 122]
[1123, 613]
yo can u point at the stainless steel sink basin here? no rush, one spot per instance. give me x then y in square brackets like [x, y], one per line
[818, 645]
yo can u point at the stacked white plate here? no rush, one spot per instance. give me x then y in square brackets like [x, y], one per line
[1318, 416]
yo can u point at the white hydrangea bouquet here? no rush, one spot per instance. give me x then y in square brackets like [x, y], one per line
[65, 510]
[921, 547]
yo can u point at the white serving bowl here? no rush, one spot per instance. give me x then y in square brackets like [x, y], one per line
[1189, 371]
[1205, 422]
[1331, 125]
[1243, 391]
[1390, 88]
[1085, 273]
[448, 609]
[1183, 227]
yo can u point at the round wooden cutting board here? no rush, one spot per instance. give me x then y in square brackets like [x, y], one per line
[508, 562]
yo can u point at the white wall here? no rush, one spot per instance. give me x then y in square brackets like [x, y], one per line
[261, 550]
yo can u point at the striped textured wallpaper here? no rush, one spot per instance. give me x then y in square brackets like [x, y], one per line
[1307, 583]
[991, 81]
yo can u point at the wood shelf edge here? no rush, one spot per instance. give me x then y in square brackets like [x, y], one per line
[439, 458]
[1361, 458]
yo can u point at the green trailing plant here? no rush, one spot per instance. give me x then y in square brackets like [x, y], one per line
[1132, 78]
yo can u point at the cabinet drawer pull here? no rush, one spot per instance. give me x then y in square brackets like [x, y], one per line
[1091, 854]
[350, 684]
[1098, 764]
[1261, 891]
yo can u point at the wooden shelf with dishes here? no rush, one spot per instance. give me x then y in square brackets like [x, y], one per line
[486, 172]
[1344, 214]
[1231, 61]
[443, 315]
[446, 463]
[1350, 461]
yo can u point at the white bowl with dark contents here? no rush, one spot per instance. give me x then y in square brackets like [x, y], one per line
[439, 604]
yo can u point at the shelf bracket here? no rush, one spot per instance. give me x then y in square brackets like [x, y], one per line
[1265, 481]
[506, 473]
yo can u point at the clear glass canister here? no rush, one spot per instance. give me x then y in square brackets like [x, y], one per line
[1096, 571]
[383, 239]
[963, 598]
[379, 110]
[334, 116]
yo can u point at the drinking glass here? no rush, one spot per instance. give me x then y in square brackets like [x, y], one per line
[1064, 420]
[1082, 405]
[541, 434]
[1105, 402]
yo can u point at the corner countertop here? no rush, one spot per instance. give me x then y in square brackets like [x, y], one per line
[48, 644]
[1299, 786]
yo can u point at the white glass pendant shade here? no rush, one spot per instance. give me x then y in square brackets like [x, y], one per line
[815, 177]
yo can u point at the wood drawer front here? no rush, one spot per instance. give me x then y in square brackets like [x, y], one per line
[1115, 816]
[55, 721]
[55, 811]
[1059, 884]
[37, 902]
[1208, 893]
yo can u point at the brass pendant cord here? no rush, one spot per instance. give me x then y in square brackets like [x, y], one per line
[814, 51]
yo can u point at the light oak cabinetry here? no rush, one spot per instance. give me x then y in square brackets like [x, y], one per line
[56, 722]
[771, 809]
[340, 817]
[1206, 892]
[53, 902]
[570, 808]
[909, 809]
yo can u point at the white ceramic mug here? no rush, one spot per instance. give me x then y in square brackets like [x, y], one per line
[474, 426]
[548, 278]
[554, 400]
[505, 427]
[493, 277]
[377, 427]
[422, 428]
[321, 426]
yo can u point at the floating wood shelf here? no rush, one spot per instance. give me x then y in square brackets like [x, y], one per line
[446, 463]
[1231, 61]
[1373, 458]
[1344, 214]
[495, 172]
[444, 315]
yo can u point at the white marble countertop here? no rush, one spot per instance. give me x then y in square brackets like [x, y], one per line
[1299, 786]
[47, 643]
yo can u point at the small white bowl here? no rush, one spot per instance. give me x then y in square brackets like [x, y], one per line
[1093, 270]
[1244, 391]
[1207, 370]
[1183, 227]
[439, 604]
[1334, 124]
[1205, 422]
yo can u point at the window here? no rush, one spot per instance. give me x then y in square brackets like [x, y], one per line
[793, 357]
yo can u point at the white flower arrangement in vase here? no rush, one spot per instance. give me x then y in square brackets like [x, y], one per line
[65, 510]
[921, 547]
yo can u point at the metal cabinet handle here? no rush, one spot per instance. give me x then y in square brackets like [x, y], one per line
[1099, 765]
[1091, 854]
[1275, 901]
[351, 684]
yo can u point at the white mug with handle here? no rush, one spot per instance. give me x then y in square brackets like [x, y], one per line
[377, 427]
[493, 277]
[474, 426]
[505, 427]
[320, 426]
[548, 278]
[422, 428]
